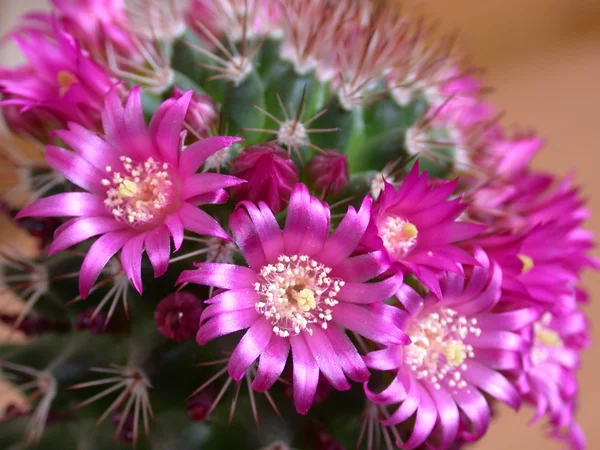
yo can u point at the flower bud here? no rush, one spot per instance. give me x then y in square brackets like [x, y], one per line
[202, 113]
[177, 316]
[270, 174]
[328, 172]
[197, 408]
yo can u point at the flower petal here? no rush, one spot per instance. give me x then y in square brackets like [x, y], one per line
[449, 418]
[226, 323]
[89, 146]
[167, 135]
[158, 248]
[266, 228]
[175, 226]
[247, 239]
[363, 267]
[196, 220]
[348, 357]
[367, 324]
[67, 204]
[227, 301]
[98, 256]
[344, 240]
[225, 276]
[365, 293]
[425, 421]
[194, 156]
[271, 364]
[306, 374]
[327, 359]
[250, 348]
[131, 260]
[79, 229]
[202, 183]
[75, 169]
[493, 383]
[472, 403]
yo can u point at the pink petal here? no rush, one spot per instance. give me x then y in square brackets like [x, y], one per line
[167, 134]
[89, 146]
[395, 392]
[175, 226]
[475, 407]
[80, 229]
[425, 421]
[363, 267]
[306, 374]
[385, 359]
[271, 364]
[137, 135]
[67, 204]
[225, 276]
[297, 220]
[202, 183]
[199, 222]
[98, 256]
[226, 323]
[194, 156]
[347, 235]
[409, 404]
[365, 293]
[264, 225]
[75, 169]
[228, 301]
[250, 348]
[131, 260]
[326, 358]
[449, 418]
[247, 239]
[158, 248]
[367, 324]
[493, 383]
[348, 357]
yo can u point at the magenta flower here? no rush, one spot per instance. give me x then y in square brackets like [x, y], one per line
[303, 288]
[142, 188]
[270, 174]
[418, 227]
[459, 346]
[60, 78]
[549, 381]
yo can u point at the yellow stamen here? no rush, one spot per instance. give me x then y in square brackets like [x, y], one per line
[548, 337]
[127, 189]
[65, 80]
[455, 353]
[305, 299]
[527, 263]
[409, 230]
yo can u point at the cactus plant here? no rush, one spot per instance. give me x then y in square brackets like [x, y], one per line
[278, 224]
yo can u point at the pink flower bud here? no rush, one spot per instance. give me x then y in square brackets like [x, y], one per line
[270, 174]
[328, 172]
[177, 316]
[201, 114]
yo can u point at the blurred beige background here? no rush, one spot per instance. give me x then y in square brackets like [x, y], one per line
[542, 57]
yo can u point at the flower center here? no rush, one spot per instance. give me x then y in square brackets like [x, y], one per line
[65, 80]
[438, 352]
[139, 194]
[398, 235]
[296, 293]
[528, 263]
[544, 340]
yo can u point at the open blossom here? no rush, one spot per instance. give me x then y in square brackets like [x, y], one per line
[302, 289]
[418, 227]
[459, 347]
[60, 78]
[142, 189]
[549, 381]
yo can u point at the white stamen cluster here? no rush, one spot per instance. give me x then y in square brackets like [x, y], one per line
[296, 293]
[399, 236]
[292, 134]
[545, 340]
[438, 353]
[141, 193]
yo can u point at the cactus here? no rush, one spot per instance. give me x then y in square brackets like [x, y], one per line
[277, 224]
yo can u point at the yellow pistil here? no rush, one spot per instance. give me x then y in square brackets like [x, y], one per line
[409, 230]
[455, 353]
[549, 338]
[305, 299]
[65, 80]
[127, 189]
[527, 263]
